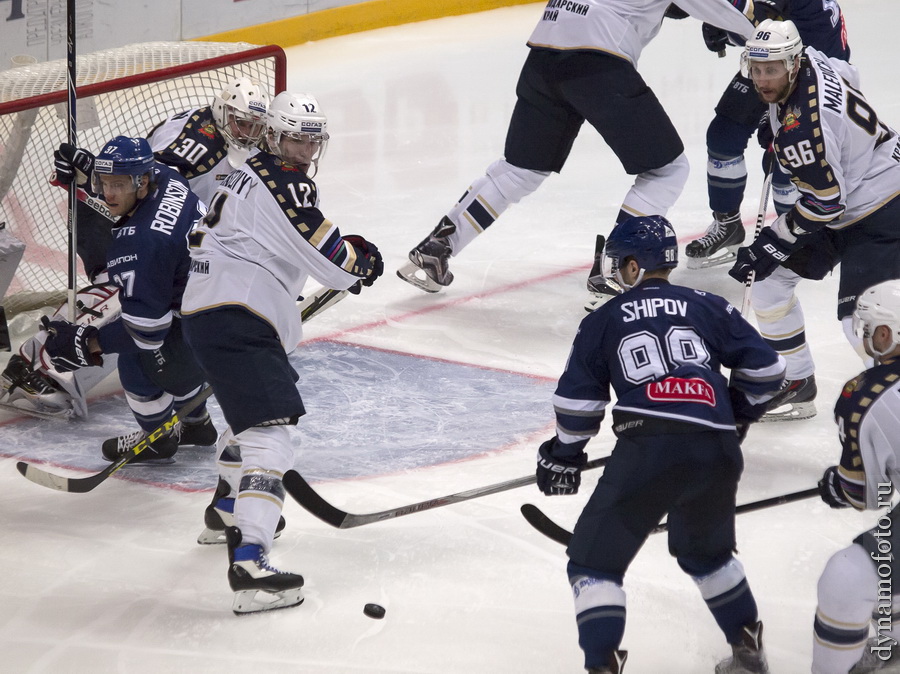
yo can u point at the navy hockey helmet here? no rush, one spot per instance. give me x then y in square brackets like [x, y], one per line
[124, 156]
[649, 239]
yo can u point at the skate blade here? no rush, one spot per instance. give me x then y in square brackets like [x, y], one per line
[415, 275]
[256, 601]
[27, 407]
[790, 412]
[211, 537]
[725, 256]
[597, 300]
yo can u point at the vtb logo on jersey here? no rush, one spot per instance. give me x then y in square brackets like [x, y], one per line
[681, 390]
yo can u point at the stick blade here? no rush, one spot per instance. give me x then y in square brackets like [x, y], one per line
[307, 497]
[42, 477]
[544, 524]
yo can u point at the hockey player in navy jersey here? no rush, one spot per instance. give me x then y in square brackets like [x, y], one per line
[204, 145]
[581, 66]
[861, 583]
[251, 256]
[679, 425]
[148, 261]
[845, 161]
[820, 24]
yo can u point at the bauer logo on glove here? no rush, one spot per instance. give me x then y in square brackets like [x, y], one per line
[68, 345]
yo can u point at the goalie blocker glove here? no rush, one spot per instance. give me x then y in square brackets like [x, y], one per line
[73, 165]
[67, 345]
[558, 475]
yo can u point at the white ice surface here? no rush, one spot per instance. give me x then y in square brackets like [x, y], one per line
[112, 581]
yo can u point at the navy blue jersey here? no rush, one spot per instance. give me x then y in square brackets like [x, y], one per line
[821, 25]
[148, 260]
[660, 347]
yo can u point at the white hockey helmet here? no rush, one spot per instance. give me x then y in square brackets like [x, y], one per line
[239, 112]
[297, 116]
[879, 305]
[772, 41]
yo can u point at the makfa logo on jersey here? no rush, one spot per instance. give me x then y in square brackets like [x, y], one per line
[680, 390]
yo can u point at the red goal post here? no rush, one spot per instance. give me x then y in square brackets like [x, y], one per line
[123, 91]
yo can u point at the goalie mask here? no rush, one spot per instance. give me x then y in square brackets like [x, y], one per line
[649, 240]
[879, 305]
[297, 132]
[239, 112]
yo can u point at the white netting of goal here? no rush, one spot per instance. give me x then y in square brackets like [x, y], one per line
[123, 91]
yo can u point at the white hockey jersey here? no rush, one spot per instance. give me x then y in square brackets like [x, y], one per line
[868, 417]
[844, 160]
[261, 240]
[190, 143]
[624, 27]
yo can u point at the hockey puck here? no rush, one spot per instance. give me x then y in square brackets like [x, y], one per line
[374, 611]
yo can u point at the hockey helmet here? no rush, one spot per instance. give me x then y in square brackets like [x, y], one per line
[649, 239]
[772, 41]
[296, 116]
[239, 112]
[879, 305]
[123, 156]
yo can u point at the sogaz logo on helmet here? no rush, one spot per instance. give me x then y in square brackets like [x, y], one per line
[257, 106]
[103, 165]
[310, 126]
[758, 53]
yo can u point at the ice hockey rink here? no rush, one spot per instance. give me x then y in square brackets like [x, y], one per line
[413, 396]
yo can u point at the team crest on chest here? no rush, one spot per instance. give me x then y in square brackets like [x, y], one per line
[791, 118]
[209, 130]
[851, 386]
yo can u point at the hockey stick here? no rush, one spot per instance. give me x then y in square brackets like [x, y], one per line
[80, 485]
[306, 496]
[71, 137]
[553, 531]
[760, 219]
[320, 300]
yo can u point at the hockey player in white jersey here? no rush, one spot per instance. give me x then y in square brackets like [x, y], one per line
[582, 66]
[861, 583]
[204, 145]
[845, 162]
[251, 256]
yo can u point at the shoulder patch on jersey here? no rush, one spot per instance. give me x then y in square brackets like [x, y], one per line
[852, 386]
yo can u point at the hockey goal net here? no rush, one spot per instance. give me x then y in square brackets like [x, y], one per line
[123, 91]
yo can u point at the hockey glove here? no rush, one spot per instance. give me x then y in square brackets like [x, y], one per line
[73, 165]
[762, 256]
[830, 489]
[67, 345]
[765, 135]
[368, 252]
[673, 11]
[558, 475]
[715, 38]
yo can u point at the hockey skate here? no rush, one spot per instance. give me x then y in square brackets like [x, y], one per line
[720, 243]
[198, 432]
[872, 660]
[250, 574]
[795, 400]
[428, 267]
[32, 392]
[219, 515]
[616, 664]
[161, 451]
[748, 656]
[601, 288]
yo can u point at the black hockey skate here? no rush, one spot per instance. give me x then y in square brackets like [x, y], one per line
[795, 400]
[219, 515]
[720, 243]
[249, 574]
[160, 451]
[873, 661]
[428, 267]
[747, 657]
[197, 432]
[616, 664]
[32, 392]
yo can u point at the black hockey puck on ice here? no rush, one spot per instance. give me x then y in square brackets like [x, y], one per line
[374, 611]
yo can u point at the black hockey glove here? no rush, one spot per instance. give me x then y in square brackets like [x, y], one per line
[673, 11]
[73, 165]
[764, 133]
[762, 256]
[558, 475]
[369, 252]
[715, 38]
[67, 345]
[830, 489]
